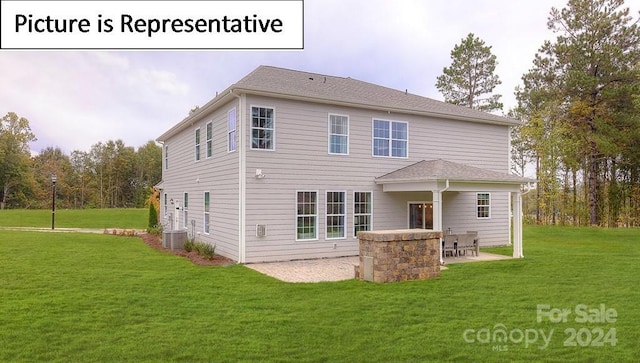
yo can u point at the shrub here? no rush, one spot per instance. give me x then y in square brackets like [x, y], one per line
[153, 216]
[203, 249]
[188, 245]
[155, 230]
[208, 251]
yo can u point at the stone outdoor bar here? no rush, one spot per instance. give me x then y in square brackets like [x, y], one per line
[399, 255]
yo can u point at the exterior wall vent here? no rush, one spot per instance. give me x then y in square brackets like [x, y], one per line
[261, 230]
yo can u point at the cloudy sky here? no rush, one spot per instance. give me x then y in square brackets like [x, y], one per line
[76, 99]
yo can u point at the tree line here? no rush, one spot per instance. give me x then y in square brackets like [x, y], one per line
[579, 113]
[110, 175]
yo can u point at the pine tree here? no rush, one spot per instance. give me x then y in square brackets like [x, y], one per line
[470, 79]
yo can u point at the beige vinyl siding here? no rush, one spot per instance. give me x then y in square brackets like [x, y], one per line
[217, 174]
[301, 162]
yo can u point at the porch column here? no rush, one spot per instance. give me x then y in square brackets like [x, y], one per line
[437, 217]
[516, 202]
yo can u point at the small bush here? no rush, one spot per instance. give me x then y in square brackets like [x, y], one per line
[155, 230]
[208, 251]
[188, 245]
[204, 249]
[153, 216]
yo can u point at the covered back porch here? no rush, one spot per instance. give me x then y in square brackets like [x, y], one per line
[459, 199]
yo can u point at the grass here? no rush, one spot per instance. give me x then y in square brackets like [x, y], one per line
[76, 218]
[76, 297]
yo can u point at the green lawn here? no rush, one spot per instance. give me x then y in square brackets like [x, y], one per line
[76, 297]
[76, 218]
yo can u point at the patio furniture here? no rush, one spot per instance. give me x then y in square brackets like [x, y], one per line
[476, 241]
[467, 242]
[449, 245]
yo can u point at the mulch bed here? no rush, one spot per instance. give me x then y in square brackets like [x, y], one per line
[155, 242]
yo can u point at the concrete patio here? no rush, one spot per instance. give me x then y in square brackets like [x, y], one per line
[341, 268]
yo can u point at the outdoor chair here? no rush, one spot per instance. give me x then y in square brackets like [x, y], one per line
[466, 242]
[449, 246]
[476, 241]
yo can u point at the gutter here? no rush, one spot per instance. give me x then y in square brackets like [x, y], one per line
[507, 121]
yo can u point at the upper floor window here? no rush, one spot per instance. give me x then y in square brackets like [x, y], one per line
[197, 150]
[483, 205]
[390, 138]
[209, 139]
[338, 134]
[262, 128]
[166, 158]
[231, 130]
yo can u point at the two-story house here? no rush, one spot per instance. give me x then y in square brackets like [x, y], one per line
[287, 164]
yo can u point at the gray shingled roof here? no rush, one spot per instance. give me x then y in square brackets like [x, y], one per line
[290, 84]
[299, 84]
[429, 170]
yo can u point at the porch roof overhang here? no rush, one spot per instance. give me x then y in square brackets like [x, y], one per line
[441, 175]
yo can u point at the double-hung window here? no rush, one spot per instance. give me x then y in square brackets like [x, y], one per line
[165, 205]
[336, 215]
[307, 215]
[390, 138]
[338, 134]
[197, 149]
[483, 205]
[207, 207]
[185, 210]
[209, 139]
[231, 130]
[262, 128]
[362, 212]
[166, 157]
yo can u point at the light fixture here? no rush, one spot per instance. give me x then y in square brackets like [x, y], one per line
[259, 174]
[54, 179]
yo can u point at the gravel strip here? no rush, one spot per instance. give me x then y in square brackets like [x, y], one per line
[316, 270]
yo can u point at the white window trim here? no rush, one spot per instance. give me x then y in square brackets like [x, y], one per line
[166, 157]
[207, 140]
[477, 205]
[273, 142]
[344, 215]
[234, 131]
[165, 206]
[204, 213]
[295, 222]
[185, 209]
[353, 203]
[373, 120]
[197, 146]
[329, 133]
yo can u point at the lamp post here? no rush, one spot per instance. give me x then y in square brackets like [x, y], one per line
[54, 179]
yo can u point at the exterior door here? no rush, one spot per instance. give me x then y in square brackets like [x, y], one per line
[421, 215]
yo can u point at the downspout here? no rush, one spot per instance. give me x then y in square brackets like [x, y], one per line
[242, 179]
[440, 207]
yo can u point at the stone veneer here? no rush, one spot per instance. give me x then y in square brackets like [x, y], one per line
[399, 255]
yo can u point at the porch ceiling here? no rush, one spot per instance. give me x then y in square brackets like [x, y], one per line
[440, 174]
